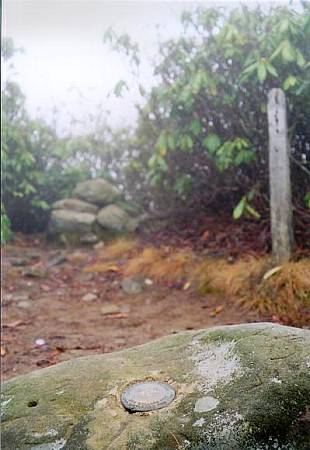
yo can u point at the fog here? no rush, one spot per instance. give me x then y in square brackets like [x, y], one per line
[67, 67]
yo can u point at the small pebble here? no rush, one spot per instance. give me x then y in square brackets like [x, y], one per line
[109, 309]
[131, 285]
[90, 297]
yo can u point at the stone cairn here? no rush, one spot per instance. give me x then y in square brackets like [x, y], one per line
[93, 213]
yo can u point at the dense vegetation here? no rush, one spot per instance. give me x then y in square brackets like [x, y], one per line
[38, 166]
[201, 139]
[204, 126]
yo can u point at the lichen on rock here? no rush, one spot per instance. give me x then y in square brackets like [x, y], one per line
[226, 395]
[96, 191]
[98, 213]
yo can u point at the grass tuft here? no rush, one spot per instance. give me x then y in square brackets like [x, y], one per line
[230, 279]
[161, 263]
[286, 294]
[119, 248]
[283, 292]
[107, 257]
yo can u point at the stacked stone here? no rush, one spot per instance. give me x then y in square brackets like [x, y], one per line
[91, 213]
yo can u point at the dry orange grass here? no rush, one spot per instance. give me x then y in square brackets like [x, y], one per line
[101, 267]
[119, 248]
[108, 256]
[230, 279]
[285, 293]
[161, 263]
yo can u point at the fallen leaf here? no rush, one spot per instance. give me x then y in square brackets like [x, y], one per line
[271, 272]
[45, 288]
[217, 311]
[116, 316]
[205, 236]
[113, 269]
[3, 351]
[57, 351]
[186, 286]
[60, 349]
[102, 267]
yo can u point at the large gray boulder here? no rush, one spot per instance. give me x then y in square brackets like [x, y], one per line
[67, 221]
[98, 191]
[115, 219]
[74, 204]
[242, 387]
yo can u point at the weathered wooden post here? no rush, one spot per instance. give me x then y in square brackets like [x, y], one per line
[279, 176]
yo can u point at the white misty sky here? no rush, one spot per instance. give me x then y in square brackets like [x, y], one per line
[67, 66]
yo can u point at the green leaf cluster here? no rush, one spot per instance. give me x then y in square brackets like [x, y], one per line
[6, 232]
[206, 120]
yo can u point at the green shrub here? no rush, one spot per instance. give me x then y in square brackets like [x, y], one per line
[39, 167]
[204, 126]
[6, 233]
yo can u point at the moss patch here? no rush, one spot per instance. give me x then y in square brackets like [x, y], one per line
[257, 374]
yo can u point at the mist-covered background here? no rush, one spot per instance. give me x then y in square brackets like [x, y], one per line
[65, 64]
[135, 173]
[165, 99]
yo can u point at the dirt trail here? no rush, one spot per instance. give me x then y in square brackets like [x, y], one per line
[46, 317]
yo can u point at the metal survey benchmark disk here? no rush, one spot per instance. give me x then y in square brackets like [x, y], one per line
[147, 396]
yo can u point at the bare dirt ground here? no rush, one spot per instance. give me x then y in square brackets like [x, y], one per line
[46, 317]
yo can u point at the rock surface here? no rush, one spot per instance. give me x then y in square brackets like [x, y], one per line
[90, 297]
[75, 205]
[90, 238]
[132, 285]
[98, 213]
[98, 191]
[241, 387]
[113, 218]
[109, 309]
[66, 221]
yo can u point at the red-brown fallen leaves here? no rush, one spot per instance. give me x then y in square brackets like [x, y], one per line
[216, 311]
[45, 288]
[171, 299]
